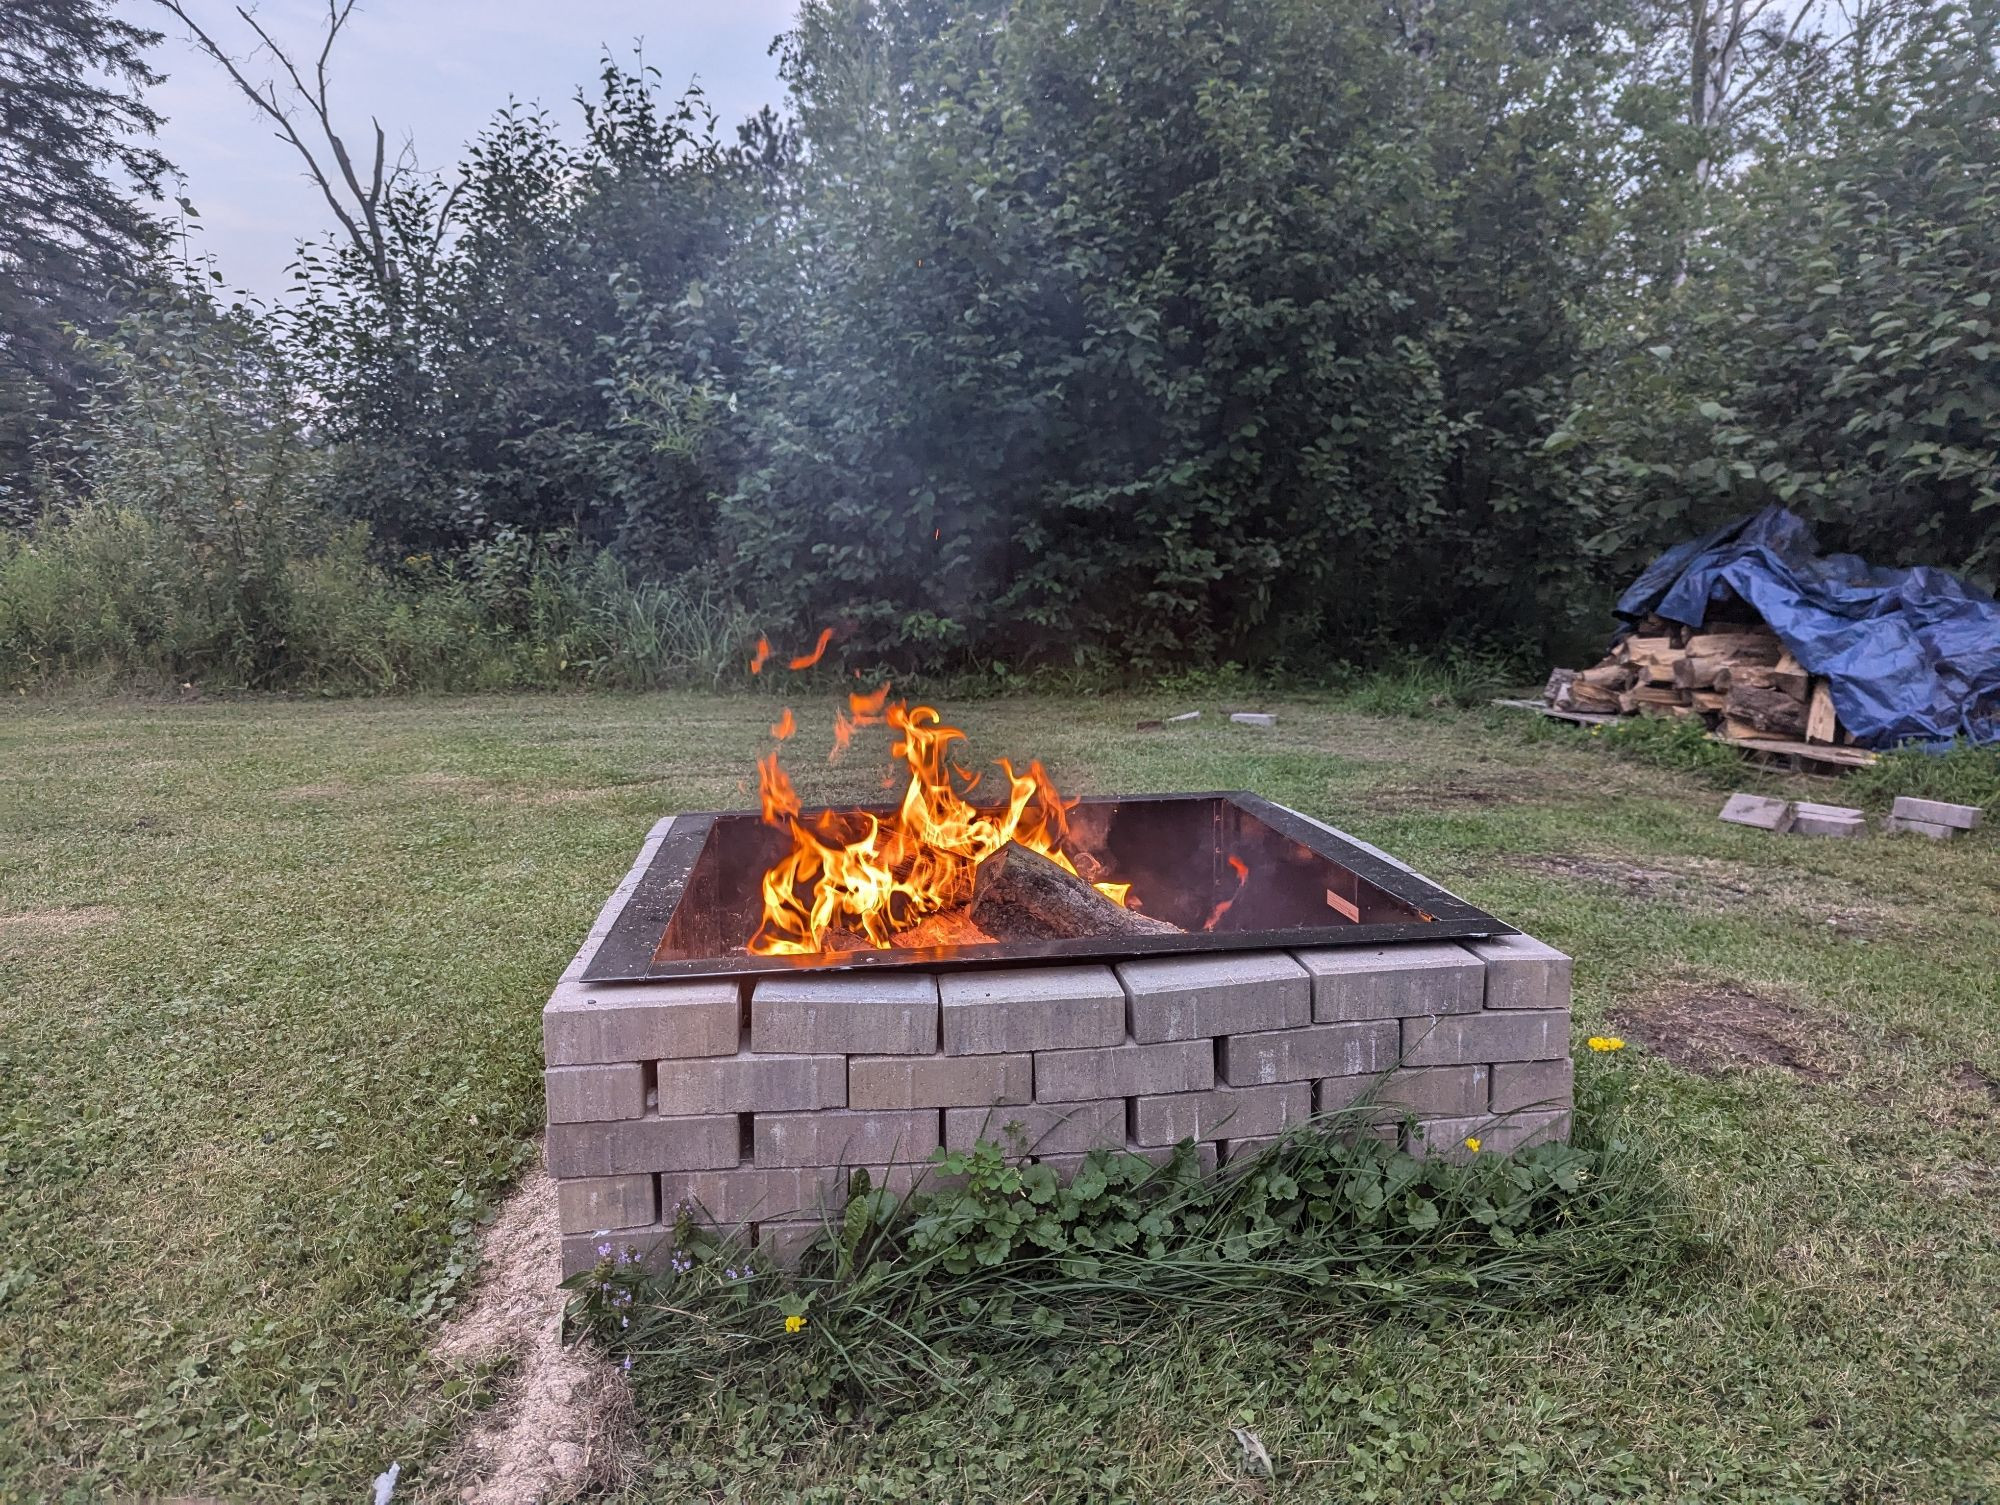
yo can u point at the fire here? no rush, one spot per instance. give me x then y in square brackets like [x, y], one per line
[761, 657]
[786, 724]
[1242, 871]
[807, 660]
[874, 876]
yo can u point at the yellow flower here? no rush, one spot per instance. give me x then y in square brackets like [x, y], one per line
[794, 1324]
[1472, 1144]
[1605, 1042]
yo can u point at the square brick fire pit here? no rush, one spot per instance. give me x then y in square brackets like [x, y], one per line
[682, 1072]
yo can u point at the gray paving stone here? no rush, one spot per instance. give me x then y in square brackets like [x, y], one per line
[1523, 973]
[1390, 982]
[939, 1081]
[592, 1204]
[594, 1094]
[1045, 1128]
[634, 1146]
[586, 1024]
[1073, 1076]
[1937, 813]
[1445, 1137]
[1033, 1008]
[1232, 1112]
[1532, 1084]
[1302, 1055]
[1495, 1035]
[1189, 997]
[748, 1083]
[843, 1136]
[1427, 1091]
[878, 1013]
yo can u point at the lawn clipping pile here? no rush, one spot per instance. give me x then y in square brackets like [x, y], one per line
[273, 1057]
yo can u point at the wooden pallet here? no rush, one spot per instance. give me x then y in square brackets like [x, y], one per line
[1581, 718]
[1799, 752]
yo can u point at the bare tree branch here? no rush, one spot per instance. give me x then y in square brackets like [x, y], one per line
[357, 209]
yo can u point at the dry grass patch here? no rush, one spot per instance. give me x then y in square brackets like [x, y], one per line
[1715, 884]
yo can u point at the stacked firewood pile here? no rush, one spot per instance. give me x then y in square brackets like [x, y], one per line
[1736, 676]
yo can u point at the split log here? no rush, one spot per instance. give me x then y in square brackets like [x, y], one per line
[1583, 695]
[1822, 722]
[1739, 647]
[1761, 677]
[1691, 673]
[1556, 691]
[1609, 676]
[1021, 895]
[1771, 712]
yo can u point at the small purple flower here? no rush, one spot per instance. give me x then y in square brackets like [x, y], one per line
[627, 1365]
[731, 1272]
[624, 1321]
[604, 1250]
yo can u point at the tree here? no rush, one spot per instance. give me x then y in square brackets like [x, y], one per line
[74, 235]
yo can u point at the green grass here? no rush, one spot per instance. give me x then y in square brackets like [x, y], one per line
[270, 976]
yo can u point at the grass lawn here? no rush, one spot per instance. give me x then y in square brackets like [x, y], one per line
[270, 982]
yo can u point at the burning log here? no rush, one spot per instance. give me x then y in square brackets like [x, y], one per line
[1022, 895]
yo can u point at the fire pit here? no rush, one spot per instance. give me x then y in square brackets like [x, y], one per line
[773, 999]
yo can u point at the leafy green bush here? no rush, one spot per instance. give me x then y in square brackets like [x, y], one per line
[899, 1297]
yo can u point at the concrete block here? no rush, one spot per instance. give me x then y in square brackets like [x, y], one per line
[1389, 982]
[1522, 973]
[1302, 1055]
[1073, 1076]
[590, 1204]
[1495, 1035]
[1190, 997]
[1043, 1128]
[649, 1248]
[1928, 828]
[594, 1094]
[1757, 810]
[748, 1083]
[1235, 1151]
[845, 1137]
[635, 1146]
[1937, 813]
[1445, 1137]
[1809, 819]
[883, 1013]
[1532, 1084]
[1038, 1008]
[1427, 1091]
[780, 1244]
[587, 1024]
[758, 1194]
[939, 1081]
[1232, 1112]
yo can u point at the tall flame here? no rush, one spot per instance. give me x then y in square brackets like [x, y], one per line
[874, 876]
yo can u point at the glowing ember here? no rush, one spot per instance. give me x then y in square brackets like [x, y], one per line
[852, 872]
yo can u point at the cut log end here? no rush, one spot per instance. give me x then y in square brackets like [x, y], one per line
[1021, 895]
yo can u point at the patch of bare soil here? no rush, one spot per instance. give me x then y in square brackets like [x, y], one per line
[559, 1427]
[1715, 1027]
[1709, 883]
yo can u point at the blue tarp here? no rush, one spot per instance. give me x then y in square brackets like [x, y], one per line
[1909, 655]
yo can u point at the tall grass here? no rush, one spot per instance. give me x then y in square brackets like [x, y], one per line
[113, 596]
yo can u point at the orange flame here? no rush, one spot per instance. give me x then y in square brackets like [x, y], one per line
[874, 876]
[1242, 871]
[785, 725]
[807, 660]
[761, 657]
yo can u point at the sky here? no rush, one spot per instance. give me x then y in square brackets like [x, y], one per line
[433, 70]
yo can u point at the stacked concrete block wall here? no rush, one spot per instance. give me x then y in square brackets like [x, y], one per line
[751, 1103]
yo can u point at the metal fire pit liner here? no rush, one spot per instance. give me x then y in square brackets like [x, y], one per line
[696, 903]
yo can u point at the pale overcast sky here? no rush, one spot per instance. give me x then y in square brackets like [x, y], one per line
[435, 70]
